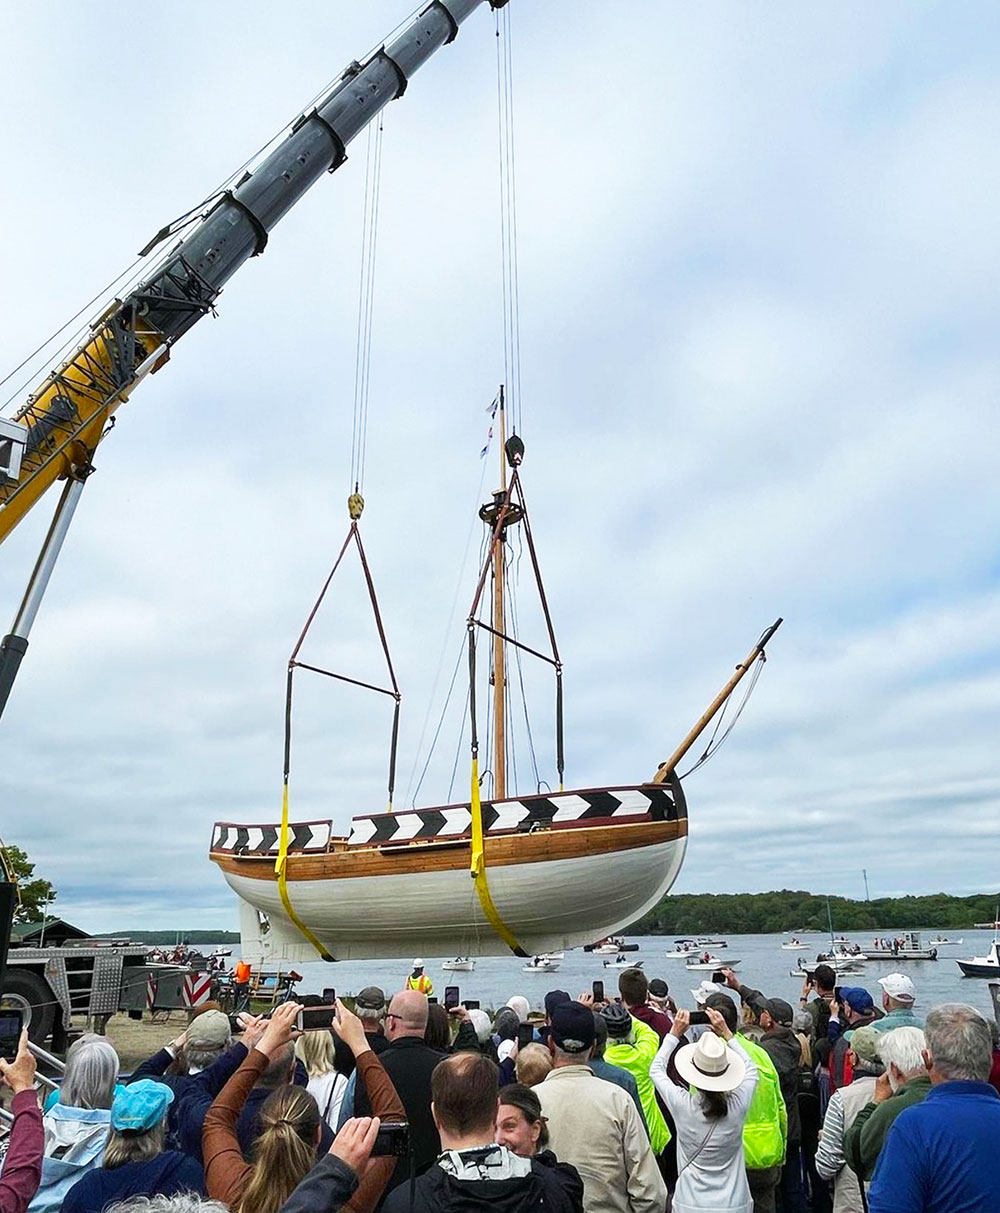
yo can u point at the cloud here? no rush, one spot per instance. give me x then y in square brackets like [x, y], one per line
[759, 378]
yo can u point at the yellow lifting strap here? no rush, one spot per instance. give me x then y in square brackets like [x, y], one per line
[478, 869]
[279, 869]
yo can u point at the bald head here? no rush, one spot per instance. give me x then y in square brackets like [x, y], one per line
[407, 1015]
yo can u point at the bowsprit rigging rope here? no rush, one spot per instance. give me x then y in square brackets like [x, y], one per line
[715, 741]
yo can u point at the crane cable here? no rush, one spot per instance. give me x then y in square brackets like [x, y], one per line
[512, 375]
[355, 506]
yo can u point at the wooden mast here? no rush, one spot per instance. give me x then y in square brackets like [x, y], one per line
[499, 678]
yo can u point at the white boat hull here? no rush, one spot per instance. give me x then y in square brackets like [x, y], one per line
[712, 966]
[548, 905]
[459, 966]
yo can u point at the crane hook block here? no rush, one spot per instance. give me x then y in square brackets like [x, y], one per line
[355, 506]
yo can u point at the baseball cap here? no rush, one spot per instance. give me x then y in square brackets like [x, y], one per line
[573, 1027]
[659, 988]
[209, 1030]
[864, 1042]
[705, 989]
[857, 998]
[140, 1106]
[779, 1010]
[898, 985]
[372, 998]
[554, 998]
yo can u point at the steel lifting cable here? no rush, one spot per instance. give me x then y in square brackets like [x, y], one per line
[366, 298]
[355, 506]
[510, 287]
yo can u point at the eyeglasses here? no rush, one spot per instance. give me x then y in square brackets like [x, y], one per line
[392, 1015]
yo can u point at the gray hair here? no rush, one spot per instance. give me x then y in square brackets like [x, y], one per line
[200, 1057]
[958, 1039]
[903, 1048]
[131, 1146]
[180, 1202]
[370, 1014]
[91, 1073]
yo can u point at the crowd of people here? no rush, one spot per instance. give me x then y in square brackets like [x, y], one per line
[739, 1103]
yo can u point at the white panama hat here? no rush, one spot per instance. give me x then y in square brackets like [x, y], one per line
[710, 1065]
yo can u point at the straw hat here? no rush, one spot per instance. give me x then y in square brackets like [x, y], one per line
[710, 1065]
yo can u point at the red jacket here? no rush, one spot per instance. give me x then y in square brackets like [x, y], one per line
[22, 1168]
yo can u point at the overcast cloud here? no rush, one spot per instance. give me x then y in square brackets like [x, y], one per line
[758, 268]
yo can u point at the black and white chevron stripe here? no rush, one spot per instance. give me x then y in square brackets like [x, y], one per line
[304, 838]
[522, 815]
[654, 802]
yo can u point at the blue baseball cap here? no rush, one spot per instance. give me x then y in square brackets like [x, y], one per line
[140, 1106]
[857, 998]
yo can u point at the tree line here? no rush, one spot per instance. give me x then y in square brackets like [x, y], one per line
[684, 914]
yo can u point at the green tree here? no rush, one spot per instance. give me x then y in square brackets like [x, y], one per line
[35, 896]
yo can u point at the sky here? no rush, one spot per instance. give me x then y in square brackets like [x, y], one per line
[757, 258]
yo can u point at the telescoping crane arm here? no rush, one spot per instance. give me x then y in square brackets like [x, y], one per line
[56, 432]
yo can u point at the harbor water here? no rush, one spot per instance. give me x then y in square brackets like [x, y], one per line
[762, 965]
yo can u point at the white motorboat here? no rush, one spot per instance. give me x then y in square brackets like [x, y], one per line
[683, 949]
[793, 945]
[982, 966]
[461, 964]
[704, 942]
[943, 943]
[850, 952]
[554, 956]
[540, 964]
[621, 961]
[710, 965]
[606, 949]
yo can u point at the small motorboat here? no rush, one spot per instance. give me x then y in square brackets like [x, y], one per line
[703, 942]
[701, 965]
[793, 945]
[850, 952]
[982, 966]
[621, 961]
[943, 943]
[461, 964]
[540, 964]
[684, 949]
[553, 956]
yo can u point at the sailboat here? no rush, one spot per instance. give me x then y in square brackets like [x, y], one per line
[532, 874]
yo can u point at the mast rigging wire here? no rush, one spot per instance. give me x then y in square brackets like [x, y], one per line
[510, 286]
[366, 306]
[714, 745]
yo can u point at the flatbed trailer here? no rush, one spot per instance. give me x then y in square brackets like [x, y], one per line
[80, 985]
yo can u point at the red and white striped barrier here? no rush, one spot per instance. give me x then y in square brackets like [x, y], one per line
[151, 987]
[197, 989]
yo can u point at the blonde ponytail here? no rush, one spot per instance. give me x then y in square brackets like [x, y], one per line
[284, 1151]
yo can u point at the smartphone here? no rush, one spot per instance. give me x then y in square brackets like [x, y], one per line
[314, 1019]
[329, 995]
[598, 991]
[431, 998]
[451, 997]
[525, 1034]
[393, 1139]
[699, 1017]
[11, 1023]
[472, 1004]
[719, 976]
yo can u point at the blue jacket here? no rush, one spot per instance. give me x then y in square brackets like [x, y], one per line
[195, 1098]
[941, 1155]
[164, 1175]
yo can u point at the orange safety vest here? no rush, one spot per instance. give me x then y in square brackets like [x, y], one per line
[241, 974]
[422, 983]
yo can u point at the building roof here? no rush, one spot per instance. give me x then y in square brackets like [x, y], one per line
[56, 930]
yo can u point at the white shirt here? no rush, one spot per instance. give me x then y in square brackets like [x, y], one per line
[711, 1174]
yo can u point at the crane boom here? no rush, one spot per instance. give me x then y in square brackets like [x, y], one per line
[66, 416]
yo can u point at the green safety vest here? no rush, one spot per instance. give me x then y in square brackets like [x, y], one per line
[637, 1058]
[765, 1130]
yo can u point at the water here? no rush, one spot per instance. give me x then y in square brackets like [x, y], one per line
[762, 965]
